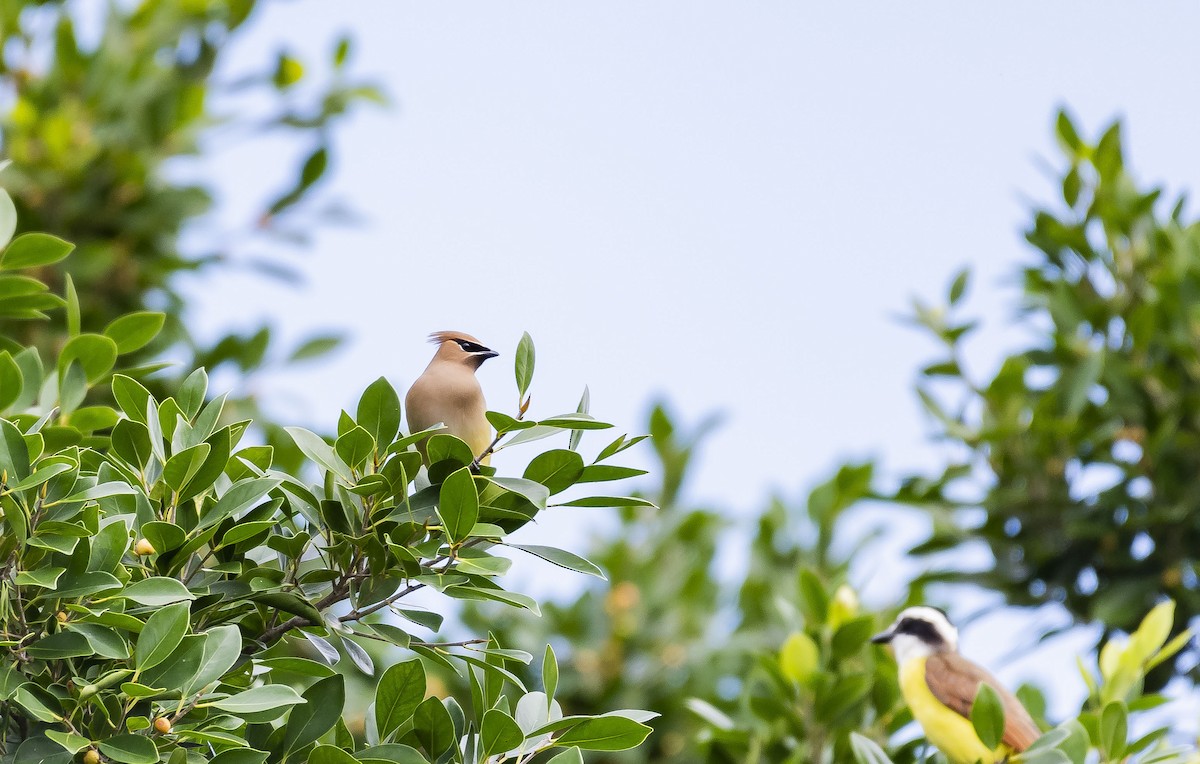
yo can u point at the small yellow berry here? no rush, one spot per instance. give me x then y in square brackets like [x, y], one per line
[91, 757]
[61, 616]
[143, 548]
[162, 724]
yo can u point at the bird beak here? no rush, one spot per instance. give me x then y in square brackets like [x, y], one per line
[883, 638]
[487, 355]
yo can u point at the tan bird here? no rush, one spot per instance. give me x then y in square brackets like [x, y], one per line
[939, 685]
[448, 392]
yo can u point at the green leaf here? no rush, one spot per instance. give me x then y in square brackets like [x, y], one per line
[11, 382]
[799, 658]
[33, 250]
[191, 393]
[160, 636]
[549, 674]
[500, 732]
[326, 700]
[557, 469]
[46, 578]
[222, 649]
[240, 756]
[1114, 730]
[104, 641]
[163, 536]
[64, 644]
[315, 448]
[95, 353]
[958, 287]
[315, 347]
[401, 689]
[569, 756]
[433, 726]
[130, 749]
[328, 754]
[240, 497]
[133, 331]
[458, 505]
[987, 716]
[157, 591]
[265, 698]
[867, 751]
[102, 491]
[8, 218]
[1068, 136]
[183, 466]
[605, 733]
[608, 501]
[69, 740]
[379, 412]
[563, 559]
[523, 364]
[14, 454]
[131, 396]
[355, 447]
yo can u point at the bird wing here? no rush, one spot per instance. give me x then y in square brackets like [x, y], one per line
[954, 681]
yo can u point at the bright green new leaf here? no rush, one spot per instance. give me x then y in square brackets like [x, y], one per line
[31, 250]
[133, 331]
[799, 658]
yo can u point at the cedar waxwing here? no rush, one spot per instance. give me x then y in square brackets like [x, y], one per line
[939, 685]
[448, 392]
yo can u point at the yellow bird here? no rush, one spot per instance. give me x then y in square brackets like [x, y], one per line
[448, 392]
[939, 685]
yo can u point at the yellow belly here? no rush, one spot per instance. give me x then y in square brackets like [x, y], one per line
[952, 734]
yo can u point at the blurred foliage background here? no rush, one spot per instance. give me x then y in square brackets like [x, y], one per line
[108, 109]
[1081, 448]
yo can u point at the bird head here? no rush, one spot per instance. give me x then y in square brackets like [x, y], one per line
[457, 347]
[919, 632]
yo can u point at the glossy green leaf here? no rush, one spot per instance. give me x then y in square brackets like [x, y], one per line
[558, 469]
[160, 636]
[264, 698]
[563, 559]
[130, 749]
[458, 505]
[401, 689]
[605, 733]
[379, 411]
[157, 591]
[500, 732]
[326, 699]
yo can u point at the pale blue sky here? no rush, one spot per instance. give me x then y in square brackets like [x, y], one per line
[726, 204]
